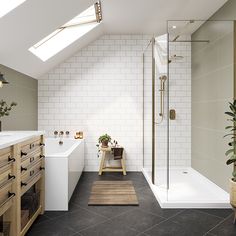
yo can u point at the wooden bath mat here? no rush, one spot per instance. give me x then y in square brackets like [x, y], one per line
[111, 193]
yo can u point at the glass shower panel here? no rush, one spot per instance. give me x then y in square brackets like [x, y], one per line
[147, 111]
[201, 83]
[161, 112]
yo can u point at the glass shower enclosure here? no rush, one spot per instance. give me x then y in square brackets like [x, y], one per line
[188, 80]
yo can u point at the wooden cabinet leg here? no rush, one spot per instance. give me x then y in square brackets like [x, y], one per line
[102, 163]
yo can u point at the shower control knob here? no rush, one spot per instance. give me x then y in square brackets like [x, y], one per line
[172, 114]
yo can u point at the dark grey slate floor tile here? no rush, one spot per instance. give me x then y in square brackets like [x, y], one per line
[149, 203]
[50, 228]
[223, 213]
[195, 221]
[80, 219]
[152, 206]
[41, 219]
[144, 193]
[85, 183]
[109, 228]
[55, 214]
[110, 211]
[137, 178]
[170, 228]
[138, 220]
[81, 199]
[226, 228]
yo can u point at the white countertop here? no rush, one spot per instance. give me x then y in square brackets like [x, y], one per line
[8, 138]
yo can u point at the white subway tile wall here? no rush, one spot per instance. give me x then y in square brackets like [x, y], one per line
[100, 90]
[180, 100]
[97, 91]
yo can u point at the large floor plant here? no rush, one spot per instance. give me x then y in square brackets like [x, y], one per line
[231, 152]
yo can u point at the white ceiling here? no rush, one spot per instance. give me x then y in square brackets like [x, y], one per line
[34, 19]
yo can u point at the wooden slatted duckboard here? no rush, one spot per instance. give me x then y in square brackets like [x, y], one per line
[109, 193]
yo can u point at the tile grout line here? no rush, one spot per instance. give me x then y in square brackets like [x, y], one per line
[209, 231]
[108, 219]
[212, 214]
[162, 222]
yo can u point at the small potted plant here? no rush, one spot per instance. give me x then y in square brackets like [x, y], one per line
[104, 140]
[5, 110]
[231, 153]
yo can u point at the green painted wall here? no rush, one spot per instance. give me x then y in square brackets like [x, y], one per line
[23, 90]
[212, 88]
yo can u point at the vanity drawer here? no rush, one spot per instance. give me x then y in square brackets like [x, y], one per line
[6, 177]
[29, 146]
[31, 172]
[4, 190]
[31, 160]
[6, 160]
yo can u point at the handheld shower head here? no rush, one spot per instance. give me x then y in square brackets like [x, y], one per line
[163, 78]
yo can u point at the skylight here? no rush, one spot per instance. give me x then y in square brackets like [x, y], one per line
[68, 33]
[8, 5]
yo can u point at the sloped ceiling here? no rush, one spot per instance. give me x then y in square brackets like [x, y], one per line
[35, 19]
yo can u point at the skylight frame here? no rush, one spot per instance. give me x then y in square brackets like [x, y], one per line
[7, 6]
[68, 33]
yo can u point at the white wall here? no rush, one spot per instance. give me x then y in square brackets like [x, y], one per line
[98, 90]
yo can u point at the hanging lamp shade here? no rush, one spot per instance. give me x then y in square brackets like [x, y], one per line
[3, 80]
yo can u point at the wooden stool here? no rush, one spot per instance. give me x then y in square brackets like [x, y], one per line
[103, 168]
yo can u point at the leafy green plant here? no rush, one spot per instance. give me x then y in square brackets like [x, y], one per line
[104, 138]
[5, 109]
[231, 152]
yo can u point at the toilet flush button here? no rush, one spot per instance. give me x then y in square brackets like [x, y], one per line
[172, 114]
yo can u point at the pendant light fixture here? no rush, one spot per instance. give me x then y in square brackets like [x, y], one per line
[2, 80]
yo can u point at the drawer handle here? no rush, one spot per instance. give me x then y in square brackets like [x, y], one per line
[31, 159]
[42, 168]
[42, 156]
[10, 160]
[23, 168]
[31, 172]
[10, 178]
[10, 196]
[23, 154]
[23, 184]
[42, 144]
[32, 145]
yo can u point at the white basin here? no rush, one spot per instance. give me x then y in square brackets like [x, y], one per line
[5, 134]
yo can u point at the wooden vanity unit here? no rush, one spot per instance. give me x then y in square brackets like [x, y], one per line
[22, 187]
